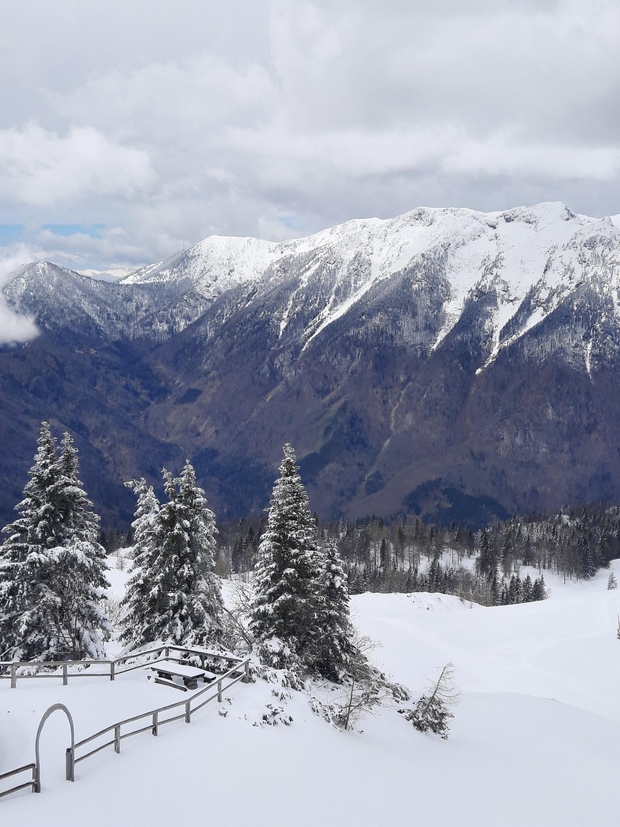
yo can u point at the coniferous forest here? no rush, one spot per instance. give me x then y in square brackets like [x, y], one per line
[408, 555]
[53, 583]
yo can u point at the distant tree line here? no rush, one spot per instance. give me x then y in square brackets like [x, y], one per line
[409, 555]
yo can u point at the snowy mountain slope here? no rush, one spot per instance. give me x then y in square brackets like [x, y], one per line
[61, 298]
[369, 346]
[213, 265]
[446, 362]
[540, 252]
[534, 739]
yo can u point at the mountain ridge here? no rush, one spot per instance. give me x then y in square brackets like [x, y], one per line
[445, 350]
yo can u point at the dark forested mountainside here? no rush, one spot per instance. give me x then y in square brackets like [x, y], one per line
[448, 365]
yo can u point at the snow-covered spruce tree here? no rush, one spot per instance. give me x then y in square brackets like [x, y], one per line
[334, 649]
[539, 589]
[79, 579]
[25, 567]
[184, 602]
[284, 611]
[52, 580]
[515, 589]
[140, 604]
[432, 711]
[612, 583]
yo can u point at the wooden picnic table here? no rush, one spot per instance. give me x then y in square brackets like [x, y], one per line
[190, 675]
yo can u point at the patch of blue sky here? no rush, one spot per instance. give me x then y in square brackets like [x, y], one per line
[92, 230]
[10, 233]
[293, 222]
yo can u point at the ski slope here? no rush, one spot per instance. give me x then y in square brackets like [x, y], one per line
[535, 739]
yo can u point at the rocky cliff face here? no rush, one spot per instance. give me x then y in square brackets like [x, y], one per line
[445, 362]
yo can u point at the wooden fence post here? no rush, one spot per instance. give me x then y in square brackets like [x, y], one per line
[246, 677]
[219, 691]
[13, 675]
[117, 739]
[64, 674]
[188, 713]
[112, 665]
[69, 765]
[155, 729]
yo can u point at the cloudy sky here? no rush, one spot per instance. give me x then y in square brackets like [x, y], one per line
[132, 128]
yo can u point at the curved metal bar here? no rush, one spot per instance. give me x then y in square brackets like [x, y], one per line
[70, 754]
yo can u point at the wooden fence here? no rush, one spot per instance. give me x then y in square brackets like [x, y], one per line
[240, 671]
[32, 768]
[21, 670]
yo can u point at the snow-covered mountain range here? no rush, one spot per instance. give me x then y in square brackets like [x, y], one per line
[443, 361]
[539, 254]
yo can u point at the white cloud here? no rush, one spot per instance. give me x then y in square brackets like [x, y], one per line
[279, 118]
[14, 328]
[500, 156]
[40, 168]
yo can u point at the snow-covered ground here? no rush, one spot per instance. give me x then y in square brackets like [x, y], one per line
[535, 739]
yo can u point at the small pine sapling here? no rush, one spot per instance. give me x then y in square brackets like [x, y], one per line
[612, 583]
[363, 687]
[432, 711]
[359, 700]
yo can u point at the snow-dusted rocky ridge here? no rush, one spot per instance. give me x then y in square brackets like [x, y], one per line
[445, 362]
[531, 257]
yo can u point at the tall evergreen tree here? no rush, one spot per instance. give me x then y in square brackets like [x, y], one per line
[334, 648]
[25, 567]
[79, 578]
[539, 590]
[495, 592]
[52, 567]
[140, 603]
[515, 589]
[174, 595]
[487, 560]
[586, 550]
[288, 567]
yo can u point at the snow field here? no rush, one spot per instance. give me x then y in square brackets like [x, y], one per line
[535, 739]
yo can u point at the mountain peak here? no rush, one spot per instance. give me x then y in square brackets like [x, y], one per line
[443, 353]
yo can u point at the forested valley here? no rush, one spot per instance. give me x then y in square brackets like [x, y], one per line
[408, 555]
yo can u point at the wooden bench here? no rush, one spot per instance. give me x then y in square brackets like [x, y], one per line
[190, 675]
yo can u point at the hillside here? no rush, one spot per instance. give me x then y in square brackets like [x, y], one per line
[442, 359]
[534, 739]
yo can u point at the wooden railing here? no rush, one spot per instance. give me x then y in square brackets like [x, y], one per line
[26, 768]
[240, 671]
[12, 668]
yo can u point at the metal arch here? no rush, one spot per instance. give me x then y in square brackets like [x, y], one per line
[70, 773]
